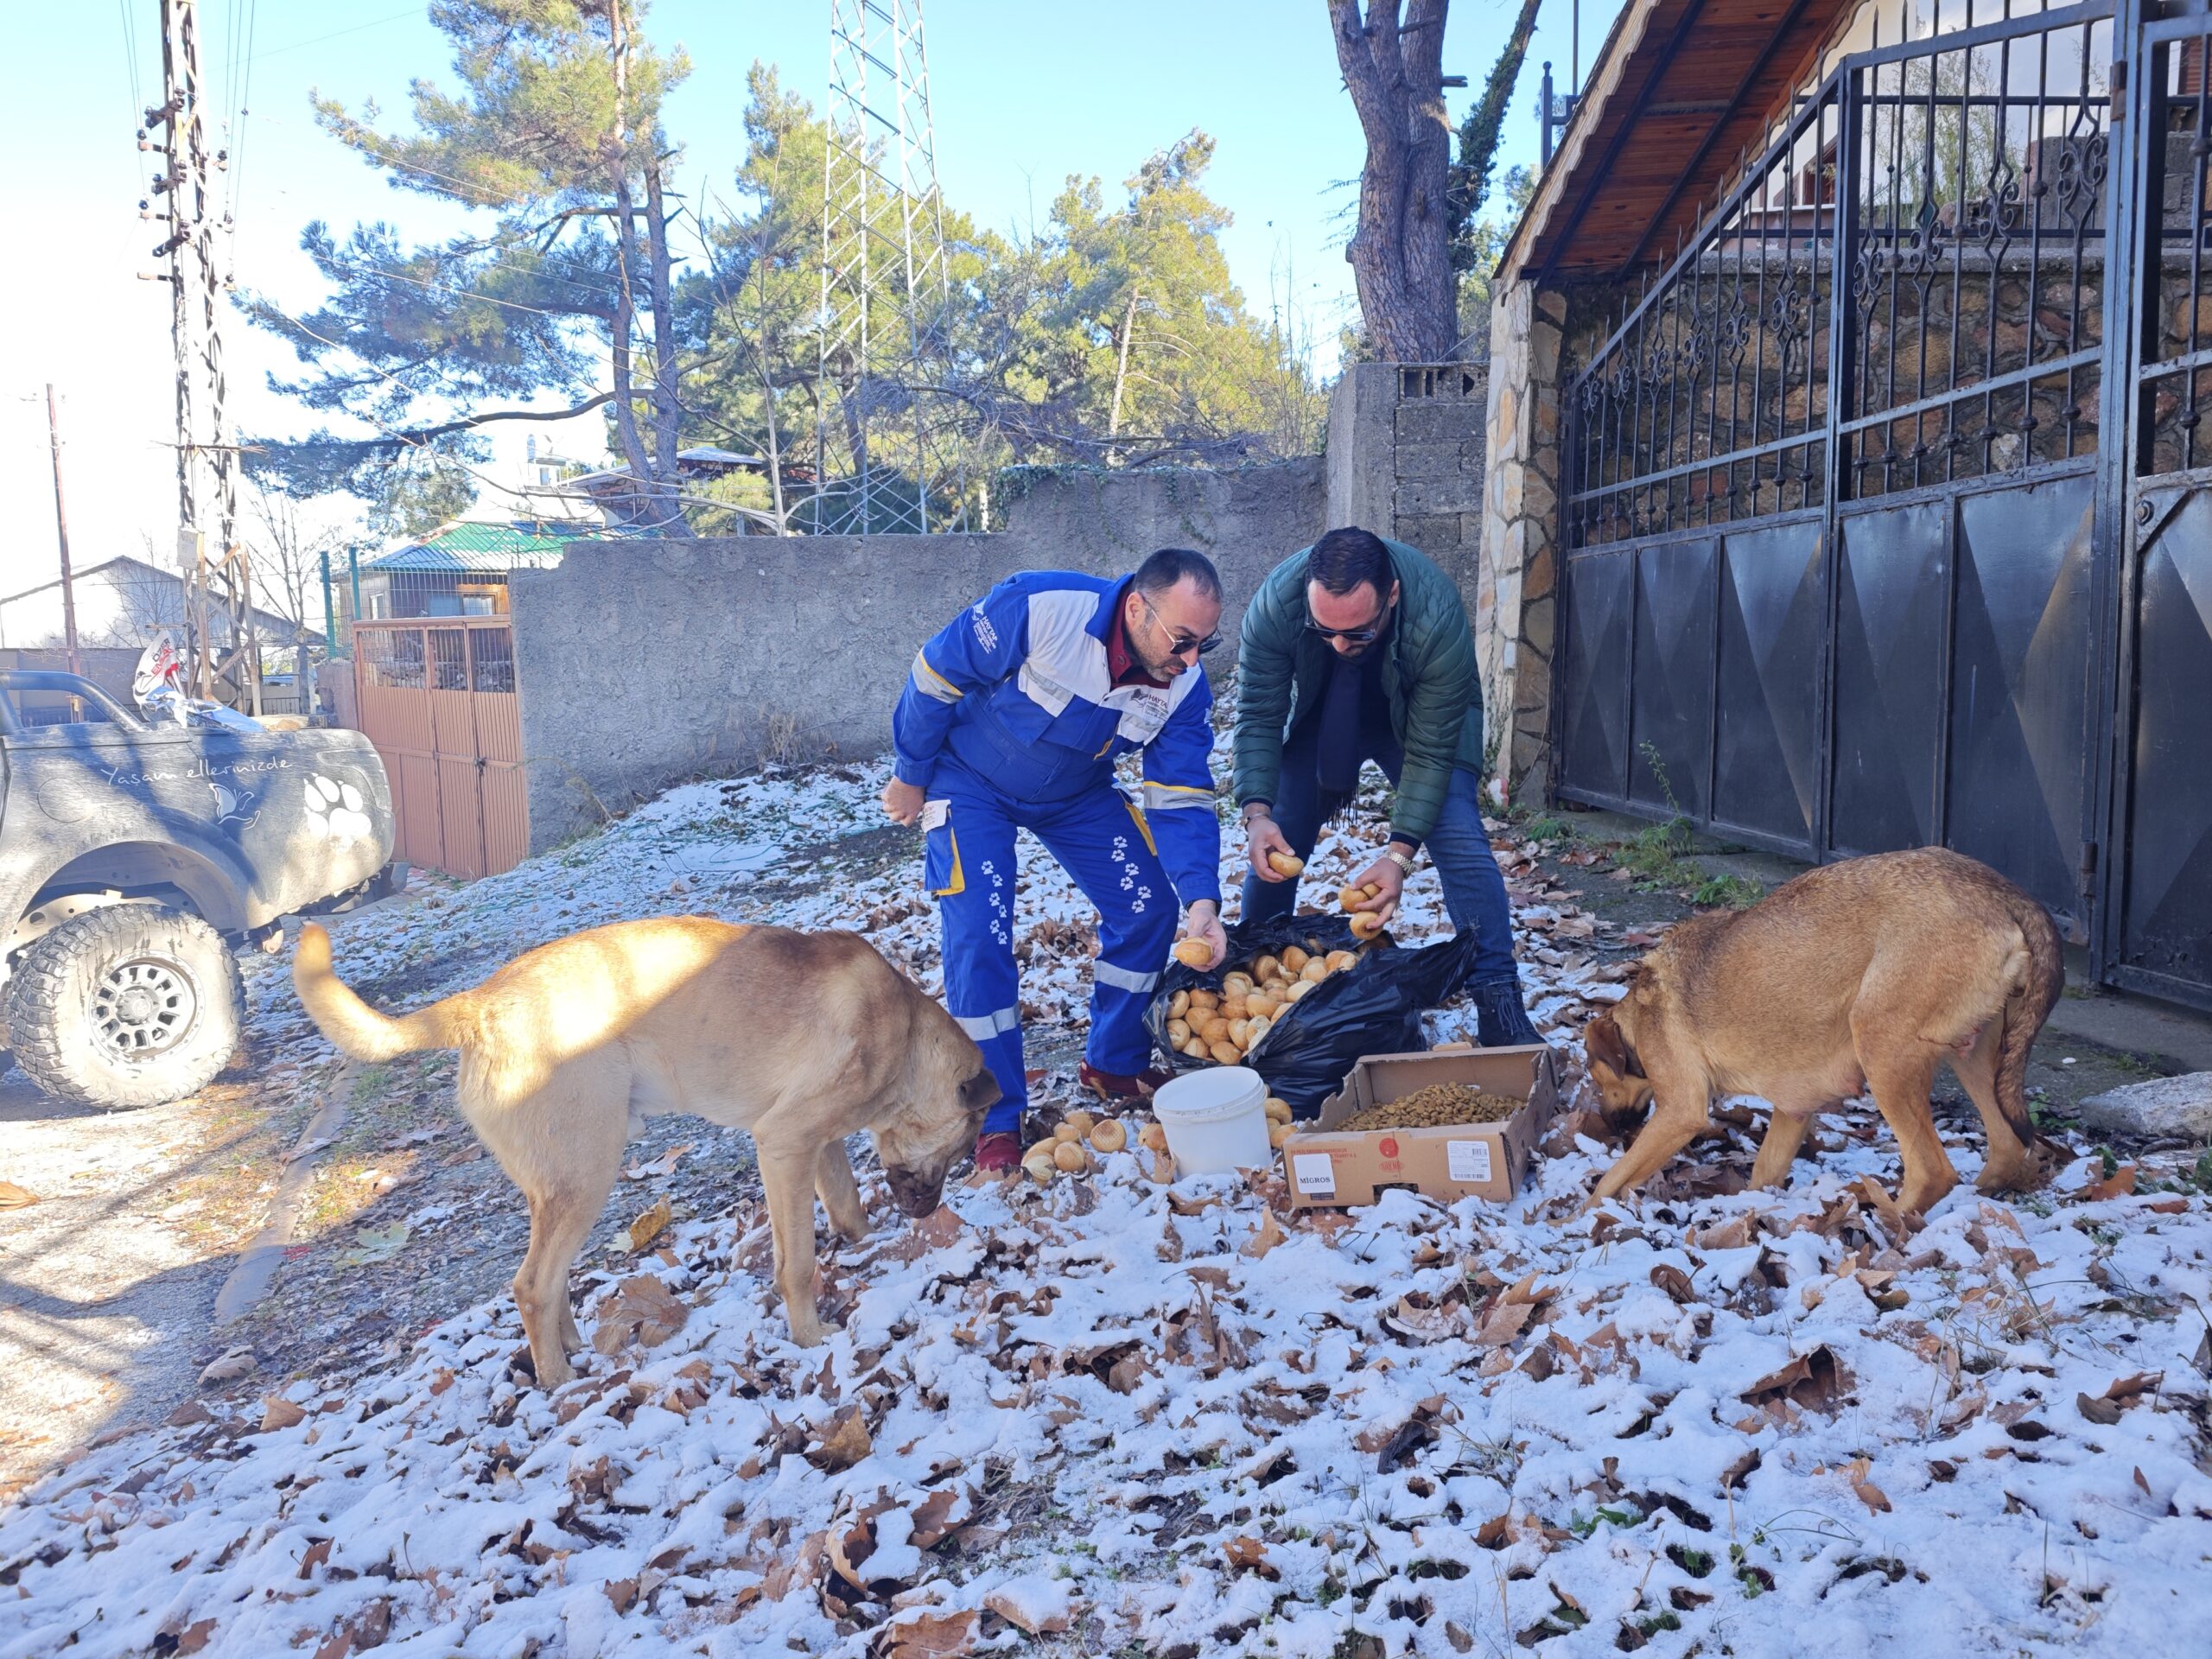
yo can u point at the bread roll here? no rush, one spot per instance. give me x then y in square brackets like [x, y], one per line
[1266, 968]
[1038, 1165]
[1179, 1033]
[1294, 961]
[1279, 1133]
[1204, 1000]
[1194, 953]
[1297, 993]
[1254, 1030]
[1284, 863]
[1236, 984]
[1366, 924]
[1065, 1132]
[1236, 1008]
[1080, 1120]
[1227, 1053]
[1316, 970]
[1108, 1136]
[1071, 1156]
[1153, 1138]
[1178, 1004]
[1240, 1032]
[1196, 1048]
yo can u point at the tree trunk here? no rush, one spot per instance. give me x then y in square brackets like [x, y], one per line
[668, 414]
[639, 507]
[1401, 252]
[1121, 372]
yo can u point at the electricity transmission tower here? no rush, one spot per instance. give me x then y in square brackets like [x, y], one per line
[220, 619]
[889, 444]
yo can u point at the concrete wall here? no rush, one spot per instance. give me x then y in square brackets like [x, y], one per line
[1406, 458]
[644, 664]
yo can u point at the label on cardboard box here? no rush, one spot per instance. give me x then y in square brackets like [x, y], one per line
[1314, 1172]
[1468, 1161]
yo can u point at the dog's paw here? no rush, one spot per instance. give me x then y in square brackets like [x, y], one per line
[333, 810]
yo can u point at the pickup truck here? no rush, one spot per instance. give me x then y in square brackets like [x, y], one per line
[134, 858]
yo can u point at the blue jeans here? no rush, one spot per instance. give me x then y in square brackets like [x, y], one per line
[1474, 891]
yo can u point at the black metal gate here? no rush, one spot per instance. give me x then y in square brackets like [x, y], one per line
[1843, 539]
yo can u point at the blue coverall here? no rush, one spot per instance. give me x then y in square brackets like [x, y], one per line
[1010, 720]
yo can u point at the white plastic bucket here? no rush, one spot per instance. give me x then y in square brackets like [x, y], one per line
[1217, 1120]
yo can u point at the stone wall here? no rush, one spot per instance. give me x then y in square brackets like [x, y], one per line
[645, 664]
[1517, 580]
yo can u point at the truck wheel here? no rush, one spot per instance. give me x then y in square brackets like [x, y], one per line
[132, 1004]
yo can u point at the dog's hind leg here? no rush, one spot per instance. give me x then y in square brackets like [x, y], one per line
[1899, 1080]
[560, 1220]
[2010, 1164]
[840, 1193]
[789, 1181]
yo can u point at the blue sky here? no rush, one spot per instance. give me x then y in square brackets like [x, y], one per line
[1025, 93]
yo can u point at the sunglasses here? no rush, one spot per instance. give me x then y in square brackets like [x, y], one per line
[1179, 644]
[1366, 636]
[1351, 636]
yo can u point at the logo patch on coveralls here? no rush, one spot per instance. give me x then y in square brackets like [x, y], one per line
[986, 635]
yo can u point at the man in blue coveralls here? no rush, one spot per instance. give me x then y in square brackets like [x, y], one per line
[1012, 718]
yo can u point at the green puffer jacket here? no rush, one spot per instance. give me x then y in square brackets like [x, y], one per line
[1430, 678]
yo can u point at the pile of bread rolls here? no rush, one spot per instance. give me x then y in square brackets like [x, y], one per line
[1075, 1140]
[1227, 1024]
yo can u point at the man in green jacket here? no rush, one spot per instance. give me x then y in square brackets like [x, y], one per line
[1358, 648]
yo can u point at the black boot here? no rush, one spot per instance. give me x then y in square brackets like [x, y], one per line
[1501, 1020]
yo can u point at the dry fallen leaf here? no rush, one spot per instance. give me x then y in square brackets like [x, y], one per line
[276, 1412]
[650, 1225]
[932, 1636]
[15, 1197]
[1868, 1494]
[1265, 1238]
[317, 1553]
[641, 1309]
[661, 1168]
[1044, 1613]
[1815, 1381]
[2118, 1185]
[844, 1444]
[188, 1639]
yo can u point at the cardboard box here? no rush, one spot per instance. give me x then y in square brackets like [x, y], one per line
[1328, 1168]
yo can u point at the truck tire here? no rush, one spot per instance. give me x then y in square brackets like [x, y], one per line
[132, 1005]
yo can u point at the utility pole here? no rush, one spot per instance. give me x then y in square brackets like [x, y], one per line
[218, 580]
[62, 531]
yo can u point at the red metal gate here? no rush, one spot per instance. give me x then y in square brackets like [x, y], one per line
[437, 697]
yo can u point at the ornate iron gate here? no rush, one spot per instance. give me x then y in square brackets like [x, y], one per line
[1842, 537]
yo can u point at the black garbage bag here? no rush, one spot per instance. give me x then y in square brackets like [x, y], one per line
[1372, 1008]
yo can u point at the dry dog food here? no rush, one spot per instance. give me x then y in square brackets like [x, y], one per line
[1435, 1107]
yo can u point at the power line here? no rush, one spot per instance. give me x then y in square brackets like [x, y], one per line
[317, 39]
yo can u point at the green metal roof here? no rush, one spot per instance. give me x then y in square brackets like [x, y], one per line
[466, 547]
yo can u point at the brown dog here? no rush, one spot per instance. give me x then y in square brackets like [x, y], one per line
[1869, 973]
[801, 1039]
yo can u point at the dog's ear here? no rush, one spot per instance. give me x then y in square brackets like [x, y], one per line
[1602, 1044]
[980, 1092]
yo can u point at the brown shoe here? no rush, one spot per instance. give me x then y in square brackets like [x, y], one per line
[1109, 1085]
[998, 1152]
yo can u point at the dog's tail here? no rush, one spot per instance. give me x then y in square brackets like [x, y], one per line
[2038, 976]
[352, 1025]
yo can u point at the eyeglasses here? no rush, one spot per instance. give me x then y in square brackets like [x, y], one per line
[1179, 644]
[1366, 636]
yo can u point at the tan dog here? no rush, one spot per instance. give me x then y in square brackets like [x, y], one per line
[801, 1039]
[1869, 973]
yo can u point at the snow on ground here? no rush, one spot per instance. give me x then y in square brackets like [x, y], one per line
[1118, 1417]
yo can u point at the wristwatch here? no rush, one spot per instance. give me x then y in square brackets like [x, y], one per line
[1405, 865]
